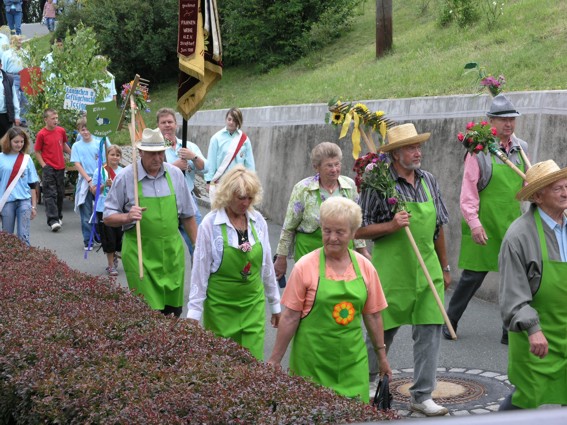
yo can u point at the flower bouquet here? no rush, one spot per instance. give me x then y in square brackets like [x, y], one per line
[493, 84]
[342, 114]
[373, 171]
[142, 96]
[478, 137]
[481, 137]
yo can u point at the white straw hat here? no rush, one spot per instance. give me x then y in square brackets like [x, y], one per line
[152, 141]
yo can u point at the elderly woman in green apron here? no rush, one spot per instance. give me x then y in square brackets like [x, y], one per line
[302, 227]
[330, 292]
[533, 293]
[232, 265]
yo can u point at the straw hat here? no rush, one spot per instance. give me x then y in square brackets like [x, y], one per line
[501, 107]
[152, 141]
[403, 135]
[540, 175]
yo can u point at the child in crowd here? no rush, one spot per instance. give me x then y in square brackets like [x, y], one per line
[110, 237]
[18, 180]
[85, 155]
[49, 12]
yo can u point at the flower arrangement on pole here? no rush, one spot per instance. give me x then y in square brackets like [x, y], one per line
[365, 123]
[142, 95]
[488, 81]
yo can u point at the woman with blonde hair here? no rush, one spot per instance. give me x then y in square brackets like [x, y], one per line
[232, 267]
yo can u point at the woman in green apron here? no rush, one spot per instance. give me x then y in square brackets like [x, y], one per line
[328, 343]
[533, 292]
[301, 226]
[232, 268]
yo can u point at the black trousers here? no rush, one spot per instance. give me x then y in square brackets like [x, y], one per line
[5, 125]
[53, 188]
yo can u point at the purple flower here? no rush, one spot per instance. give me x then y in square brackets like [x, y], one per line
[392, 201]
[382, 157]
[370, 166]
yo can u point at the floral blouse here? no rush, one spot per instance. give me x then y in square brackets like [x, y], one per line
[303, 210]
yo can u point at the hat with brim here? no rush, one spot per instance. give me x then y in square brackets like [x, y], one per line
[152, 141]
[501, 107]
[403, 135]
[539, 176]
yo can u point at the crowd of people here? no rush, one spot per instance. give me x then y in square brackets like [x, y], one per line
[144, 212]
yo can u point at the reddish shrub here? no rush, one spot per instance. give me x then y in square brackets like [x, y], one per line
[79, 349]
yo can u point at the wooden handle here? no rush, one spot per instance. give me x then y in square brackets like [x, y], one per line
[430, 282]
[132, 129]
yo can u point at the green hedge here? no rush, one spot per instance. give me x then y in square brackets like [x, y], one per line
[77, 348]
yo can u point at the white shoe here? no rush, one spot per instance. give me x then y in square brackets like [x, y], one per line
[428, 408]
[55, 227]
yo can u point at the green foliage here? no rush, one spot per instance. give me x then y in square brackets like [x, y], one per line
[138, 36]
[98, 355]
[73, 65]
[464, 12]
[493, 10]
[265, 34]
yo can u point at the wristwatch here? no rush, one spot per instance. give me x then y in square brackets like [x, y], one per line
[447, 269]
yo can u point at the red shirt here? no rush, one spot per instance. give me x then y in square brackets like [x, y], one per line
[50, 144]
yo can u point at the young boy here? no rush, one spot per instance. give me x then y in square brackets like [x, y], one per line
[50, 143]
[110, 237]
[85, 155]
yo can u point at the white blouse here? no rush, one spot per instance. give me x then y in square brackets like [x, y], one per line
[208, 254]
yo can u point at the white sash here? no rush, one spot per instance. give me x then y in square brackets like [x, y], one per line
[228, 157]
[10, 188]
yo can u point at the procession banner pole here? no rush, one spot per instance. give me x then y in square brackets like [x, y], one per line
[430, 283]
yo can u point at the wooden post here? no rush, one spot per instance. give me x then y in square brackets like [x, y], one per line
[384, 29]
[132, 129]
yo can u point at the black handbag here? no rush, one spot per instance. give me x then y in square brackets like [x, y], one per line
[383, 398]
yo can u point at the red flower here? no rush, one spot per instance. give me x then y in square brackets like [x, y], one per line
[461, 137]
[483, 123]
[246, 271]
[470, 125]
[478, 148]
[493, 131]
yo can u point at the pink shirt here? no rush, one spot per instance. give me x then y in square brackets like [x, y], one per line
[470, 200]
[302, 285]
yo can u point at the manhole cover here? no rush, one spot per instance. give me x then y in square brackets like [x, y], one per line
[449, 390]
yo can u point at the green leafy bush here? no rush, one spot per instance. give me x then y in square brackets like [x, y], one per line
[464, 12]
[77, 348]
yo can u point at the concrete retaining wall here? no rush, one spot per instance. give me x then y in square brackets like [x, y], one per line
[283, 136]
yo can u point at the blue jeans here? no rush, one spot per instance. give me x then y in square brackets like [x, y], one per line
[50, 24]
[86, 211]
[198, 217]
[21, 96]
[14, 21]
[18, 210]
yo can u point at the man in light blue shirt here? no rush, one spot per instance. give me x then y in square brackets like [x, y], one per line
[189, 159]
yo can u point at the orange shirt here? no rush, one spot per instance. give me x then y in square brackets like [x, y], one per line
[301, 288]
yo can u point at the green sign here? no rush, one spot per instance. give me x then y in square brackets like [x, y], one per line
[102, 118]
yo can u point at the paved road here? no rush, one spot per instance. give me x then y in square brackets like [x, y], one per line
[479, 333]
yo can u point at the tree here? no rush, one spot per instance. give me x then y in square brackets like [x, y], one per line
[75, 64]
[384, 32]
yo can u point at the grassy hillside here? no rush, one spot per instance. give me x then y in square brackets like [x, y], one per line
[528, 45]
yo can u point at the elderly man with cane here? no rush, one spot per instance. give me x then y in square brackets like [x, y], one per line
[164, 200]
[410, 298]
[533, 293]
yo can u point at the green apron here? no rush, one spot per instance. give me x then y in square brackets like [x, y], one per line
[543, 381]
[498, 208]
[162, 251]
[307, 242]
[235, 306]
[333, 354]
[410, 300]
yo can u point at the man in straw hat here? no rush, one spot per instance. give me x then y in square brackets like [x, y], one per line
[488, 207]
[533, 291]
[164, 201]
[410, 299]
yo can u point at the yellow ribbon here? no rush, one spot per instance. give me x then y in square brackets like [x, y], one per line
[346, 124]
[356, 136]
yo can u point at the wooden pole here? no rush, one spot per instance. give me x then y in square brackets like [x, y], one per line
[384, 33]
[132, 128]
[495, 150]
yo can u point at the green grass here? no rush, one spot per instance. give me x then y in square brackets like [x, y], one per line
[528, 46]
